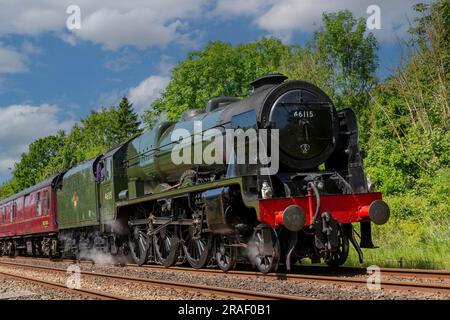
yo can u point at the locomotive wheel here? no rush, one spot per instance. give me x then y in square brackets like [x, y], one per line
[139, 245]
[225, 254]
[266, 261]
[54, 254]
[34, 249]
[197, 250]
[338, 257]
[166, 244]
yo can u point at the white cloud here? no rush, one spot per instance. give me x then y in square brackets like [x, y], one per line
[138, 27]
[165, 65]
[21, 125]
[141, 23]
[29, 48]
[6, 165]
[110, 98]
[12, 61]
[283, 17]
[111, 23]
[122, 61]
[68, 38]
[147, 91]
[229, 8]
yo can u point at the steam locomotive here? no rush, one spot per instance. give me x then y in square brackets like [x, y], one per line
[135, 201]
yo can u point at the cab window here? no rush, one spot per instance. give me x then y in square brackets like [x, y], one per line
[108, 169]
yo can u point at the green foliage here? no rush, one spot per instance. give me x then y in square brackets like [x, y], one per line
[409, 137]
[218, 70]
[30, 170]
[417, 236]
[98, 132]
[8, 189]
[408, 150]
[126, 123]
[341, 58]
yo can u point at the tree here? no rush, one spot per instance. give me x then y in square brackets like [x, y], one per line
[32, 166]
[341, 59]
[100, 131]
[218, 70]
[409, 135]
[88, 139]
[125, 123]
[8, 189]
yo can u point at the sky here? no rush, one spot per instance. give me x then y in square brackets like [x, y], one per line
[56, 68]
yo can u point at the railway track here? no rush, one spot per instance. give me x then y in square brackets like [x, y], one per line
[385, 284]
[344, 276]
[54, 285]
[222, 291]
[417, 273]
[298, 270]
[314, 270]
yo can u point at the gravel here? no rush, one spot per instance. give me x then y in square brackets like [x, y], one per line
[143, 291]
[122, 288]
[14, 289]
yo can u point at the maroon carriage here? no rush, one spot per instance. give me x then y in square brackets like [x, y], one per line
[28, 223]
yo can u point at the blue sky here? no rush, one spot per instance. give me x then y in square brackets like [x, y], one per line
[50, 76]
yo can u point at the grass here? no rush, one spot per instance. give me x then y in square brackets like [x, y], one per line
[419, 257]
[419, 239]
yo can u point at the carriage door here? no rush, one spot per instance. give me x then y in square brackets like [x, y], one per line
[106, 190]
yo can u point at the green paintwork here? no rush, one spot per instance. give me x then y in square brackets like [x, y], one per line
[249, 202]
[77, 200]
[138, 168]
[84, 202]
[148, 158]
[115, 181]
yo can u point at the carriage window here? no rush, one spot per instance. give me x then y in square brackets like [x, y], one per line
[39, 204]
[14, 211]
[45, 202]
[26, 203]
